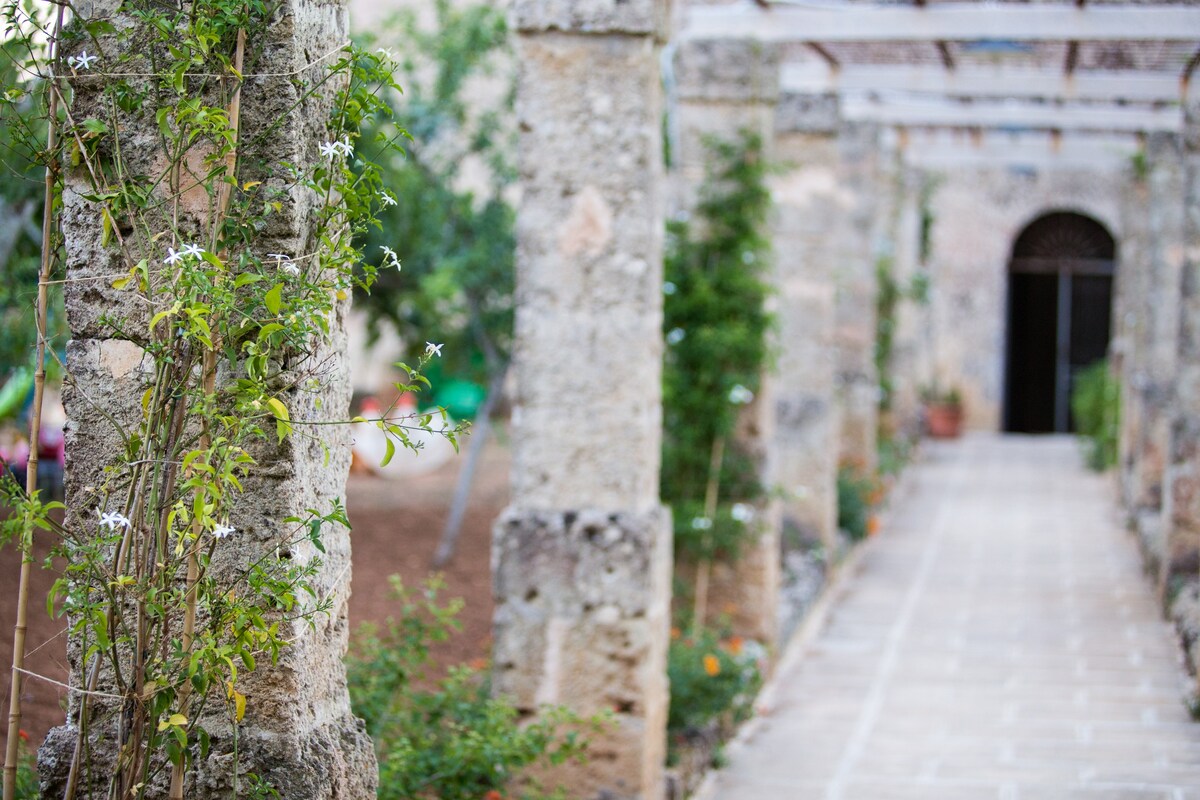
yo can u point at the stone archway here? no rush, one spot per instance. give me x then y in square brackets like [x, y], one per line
[1060, 281]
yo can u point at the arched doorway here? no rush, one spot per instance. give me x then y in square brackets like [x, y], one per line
[1059, 316]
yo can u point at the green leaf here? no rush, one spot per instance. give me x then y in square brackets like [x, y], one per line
[274, 298]
[283, 425]
[391, 451]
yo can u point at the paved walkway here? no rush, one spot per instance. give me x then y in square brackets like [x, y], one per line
[997, 640]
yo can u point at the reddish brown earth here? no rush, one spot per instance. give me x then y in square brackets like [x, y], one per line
[397, 524]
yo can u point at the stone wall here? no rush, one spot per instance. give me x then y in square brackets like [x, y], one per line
[977, 215]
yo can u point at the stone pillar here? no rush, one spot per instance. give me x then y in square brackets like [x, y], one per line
[853, 260]
[1128, 345]
[582, 557]
[1182, 500]
[298, 733]
[1157, 331]
[908, 363]
[808, 202]
[725, 87]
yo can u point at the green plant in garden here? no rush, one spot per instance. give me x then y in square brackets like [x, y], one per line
[1096, 407]
[715, 326]
[854, 491]
[711, 678]
[450, 740]
[168, 602]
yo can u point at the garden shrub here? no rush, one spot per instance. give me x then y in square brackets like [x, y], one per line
[710, 677]
[715, 328]
[1096, 406]
[854, 491]
[446, 739]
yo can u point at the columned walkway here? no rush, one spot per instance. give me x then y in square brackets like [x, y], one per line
[997, 640]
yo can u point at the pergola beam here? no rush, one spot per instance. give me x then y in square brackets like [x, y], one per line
[952, 22]
[951, 150]
[984, 82]
[1009, 115]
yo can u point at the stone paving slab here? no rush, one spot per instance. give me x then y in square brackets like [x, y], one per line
[997, 640]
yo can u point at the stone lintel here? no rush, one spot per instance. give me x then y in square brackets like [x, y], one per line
[582, 619]
[808, 113]
[727, 71]
[628, 17]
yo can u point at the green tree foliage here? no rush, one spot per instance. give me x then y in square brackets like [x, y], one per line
[22, 137]
[715, 327]
[456, 245]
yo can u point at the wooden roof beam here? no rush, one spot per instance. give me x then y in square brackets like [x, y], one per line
[1012, 116]
[948, 22]
[985, 82]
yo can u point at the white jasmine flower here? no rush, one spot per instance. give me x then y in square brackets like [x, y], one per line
[192, 250]
[742, 512]
[383, 51]
[676, 336]
[221, 531]
[432, 349]
[329, 149]
[344, 146]
[82, 61]
[172, 256]
[284, 262]
[175, 256]
[701, 523]
[390, 254]
[113, 519]
[740, 395]
[387, 199]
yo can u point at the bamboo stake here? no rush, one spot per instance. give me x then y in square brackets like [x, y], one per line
[35, 424]
[704, 565]
[208, 383]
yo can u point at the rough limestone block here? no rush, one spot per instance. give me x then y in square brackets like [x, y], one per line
[648, 17]
[582, 557]
[808, 113]
[808, 200]
[1183, 478]
[298, 733]
[727, 71]
[589, 294]
[854, 316]
[582, 619]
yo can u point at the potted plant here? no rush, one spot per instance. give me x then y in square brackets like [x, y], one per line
[943, 413]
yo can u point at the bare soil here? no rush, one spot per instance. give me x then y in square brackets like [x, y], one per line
[396, 528]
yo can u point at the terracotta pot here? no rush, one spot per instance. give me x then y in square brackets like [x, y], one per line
[944, 421]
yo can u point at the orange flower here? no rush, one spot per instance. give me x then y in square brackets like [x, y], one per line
[493, 795]
[478, 664]
[712, 665]
[23, 734]
[873, 525]
[735, 645]
[676, 633]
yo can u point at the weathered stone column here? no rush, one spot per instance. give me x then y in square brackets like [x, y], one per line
[298, 734]
[1182, 509]
[853, 258]
[1156, 337]
[725, 88]
[582, 557]
[909, 367]
[808, 202]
